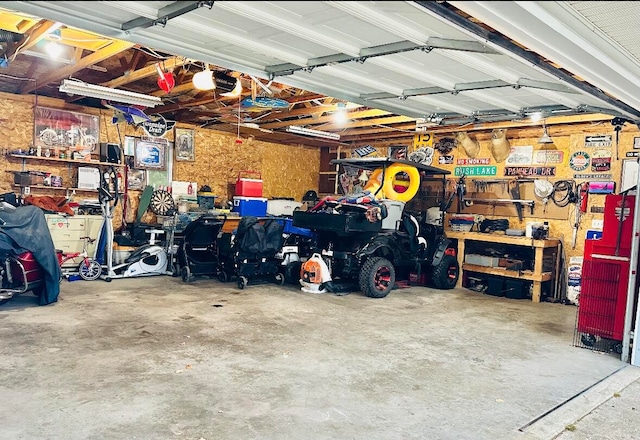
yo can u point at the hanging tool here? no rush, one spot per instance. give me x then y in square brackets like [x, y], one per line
[581, 194]
[515, 195]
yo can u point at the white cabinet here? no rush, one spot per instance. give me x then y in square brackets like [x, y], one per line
[67, 231]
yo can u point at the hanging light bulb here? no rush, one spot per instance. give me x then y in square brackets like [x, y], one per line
[204, 80]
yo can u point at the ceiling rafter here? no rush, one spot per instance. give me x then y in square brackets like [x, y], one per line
[32, 37]
[114, 48]
[145, 72]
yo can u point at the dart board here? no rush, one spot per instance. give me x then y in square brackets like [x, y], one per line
[162, 202]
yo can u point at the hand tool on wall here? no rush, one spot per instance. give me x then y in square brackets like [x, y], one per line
[581, 194]
[515, 194]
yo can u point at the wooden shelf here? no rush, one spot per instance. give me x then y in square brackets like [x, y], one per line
[58, 188]
[504, 272]
[57, 159]
[536, 276]
[503, 239]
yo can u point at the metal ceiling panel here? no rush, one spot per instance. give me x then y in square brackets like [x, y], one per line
[341, 49]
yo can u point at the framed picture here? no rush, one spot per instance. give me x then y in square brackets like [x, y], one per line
[636, 143]
[136, 179]
[65, 132]
[149, 155]
[184, 145]
[397, 152]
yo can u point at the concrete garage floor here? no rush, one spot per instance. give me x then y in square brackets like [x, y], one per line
[156, 358]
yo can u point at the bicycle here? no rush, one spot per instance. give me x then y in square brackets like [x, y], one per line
[88, 269]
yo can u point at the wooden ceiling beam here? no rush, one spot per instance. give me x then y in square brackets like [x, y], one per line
[144, 72]
[112, 49]
[32, 37]
[369, 113]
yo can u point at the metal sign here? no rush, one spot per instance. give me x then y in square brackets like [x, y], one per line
[544, 157]
[633, 154]
[479, 161]
[598, 141]
[445, 160]
[592, 176]
[579, 161]
[157, 126]
[529, 171]
[476, 171]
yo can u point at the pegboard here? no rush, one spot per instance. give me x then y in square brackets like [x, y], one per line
[484, 192]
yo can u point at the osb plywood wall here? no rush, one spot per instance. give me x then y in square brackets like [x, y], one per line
[568, 140]
[286, 171]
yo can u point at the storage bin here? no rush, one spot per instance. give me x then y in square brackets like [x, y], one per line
[288, 228]
[282, 207]
[246, 206]
[516, 289]
[482, 260]
[206, 200]
[495, 286]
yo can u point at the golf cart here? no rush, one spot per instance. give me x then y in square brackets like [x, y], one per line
[368, 239]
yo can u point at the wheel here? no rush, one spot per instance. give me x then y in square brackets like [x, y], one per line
[49, 137]
[185, 272]
[588, 340]
[223, 277]
[617, 347]
[90, 270]
[38, 291]
[292, 272]
[377, 277]
[279, 279]
[445, 274]
[108, 279]
[242, 282]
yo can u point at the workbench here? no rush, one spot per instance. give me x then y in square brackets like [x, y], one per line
[537, 276]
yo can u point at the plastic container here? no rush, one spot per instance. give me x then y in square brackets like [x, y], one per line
[206, 200]
[249, 187]
[245, 206]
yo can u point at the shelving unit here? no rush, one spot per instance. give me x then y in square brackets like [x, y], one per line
[71, 162]
[537, 276]
[24, 157]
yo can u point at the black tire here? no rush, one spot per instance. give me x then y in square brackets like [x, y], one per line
[185, 272]
[445, 274]
[292, 272]
[279, 278]
[90, 272]
[242, 282]
[588, 340]
[377, 277]
[223, 277]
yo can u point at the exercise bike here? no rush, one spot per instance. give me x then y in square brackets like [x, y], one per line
[147, 260]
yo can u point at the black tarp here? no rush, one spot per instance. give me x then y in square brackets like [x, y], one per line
[26, 226]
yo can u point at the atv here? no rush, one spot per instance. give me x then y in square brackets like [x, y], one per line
[367, 241]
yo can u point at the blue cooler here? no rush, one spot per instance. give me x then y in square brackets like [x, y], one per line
[250, 206]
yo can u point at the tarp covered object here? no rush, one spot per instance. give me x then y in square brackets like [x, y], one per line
[27, 228]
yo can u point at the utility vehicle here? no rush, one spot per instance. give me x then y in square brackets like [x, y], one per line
[361, 248]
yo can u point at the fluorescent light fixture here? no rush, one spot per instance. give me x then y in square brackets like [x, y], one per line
[94, 91]
[314, 133]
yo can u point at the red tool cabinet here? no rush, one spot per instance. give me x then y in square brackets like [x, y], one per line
[605, 273]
